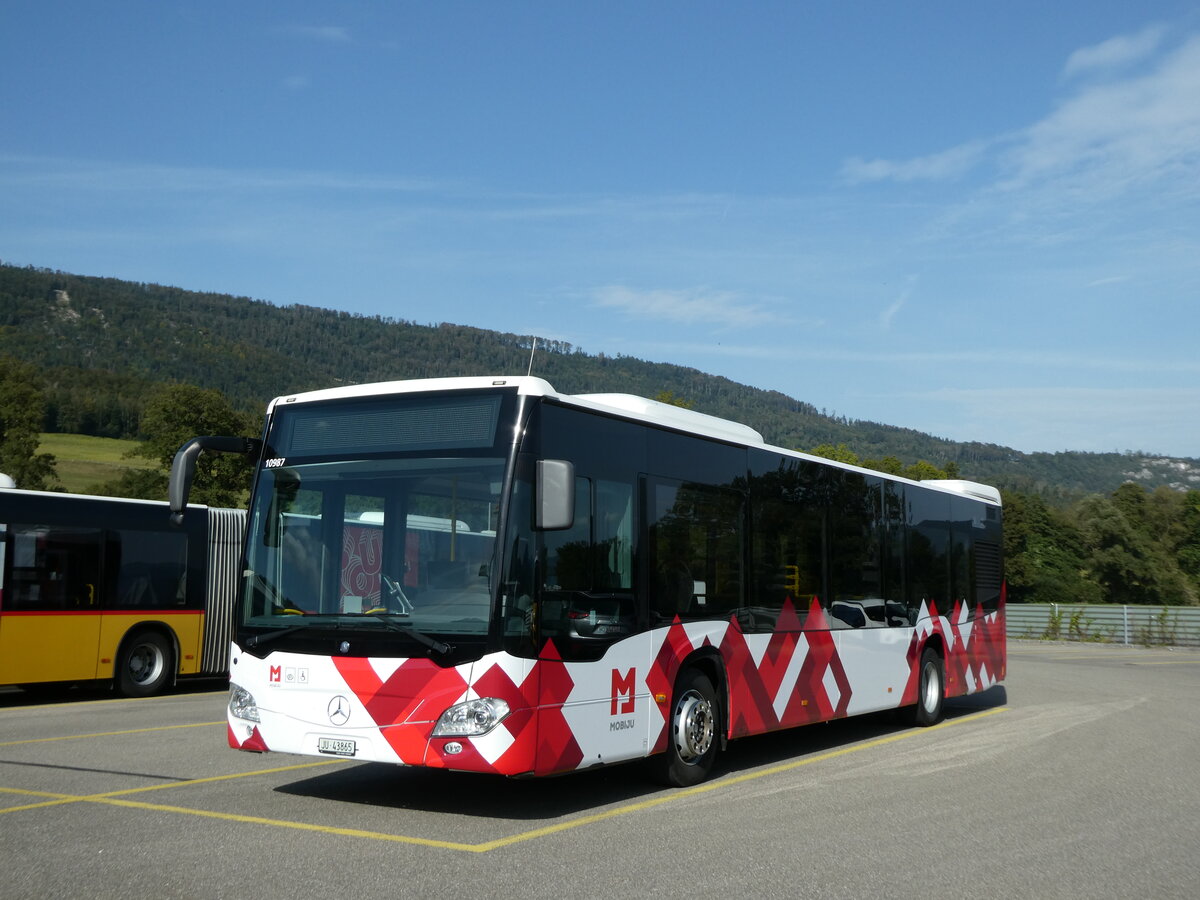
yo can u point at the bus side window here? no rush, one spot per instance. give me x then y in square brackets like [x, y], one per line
[696, 540]
[568, 557]
[928, 553]
[613, 545]
[855, 549]
[54, 568]
[788, 562]
[789, 534]
[148, 568]
[586, 597]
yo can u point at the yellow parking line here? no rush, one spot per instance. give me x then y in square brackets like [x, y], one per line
[99, 734]
[113, 798]
[60, 799]
[299, 826]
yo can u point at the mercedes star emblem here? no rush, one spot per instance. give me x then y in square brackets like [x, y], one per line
[339, 710]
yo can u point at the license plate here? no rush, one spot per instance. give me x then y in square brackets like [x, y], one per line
[335, 746]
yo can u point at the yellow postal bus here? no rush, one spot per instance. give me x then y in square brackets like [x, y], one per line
[100, 588]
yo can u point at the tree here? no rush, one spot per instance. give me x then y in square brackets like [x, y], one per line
[1130, 564]
[923, 471]
[841, 453]
[173, 416]
[671, 399]
[21, 409]
[1044, 554]
[1189, 544]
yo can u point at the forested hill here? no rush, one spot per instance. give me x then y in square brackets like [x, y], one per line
[103, 344]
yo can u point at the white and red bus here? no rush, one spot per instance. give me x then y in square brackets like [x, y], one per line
[483, 574]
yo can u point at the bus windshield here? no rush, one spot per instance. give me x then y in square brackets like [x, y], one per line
[406, 538]
[394, 533]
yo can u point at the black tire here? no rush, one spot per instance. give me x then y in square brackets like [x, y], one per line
[693, 732]
[931, 689]
[146, 664]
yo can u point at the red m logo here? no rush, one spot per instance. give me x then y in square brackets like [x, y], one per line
[276, 673]
[622, 691]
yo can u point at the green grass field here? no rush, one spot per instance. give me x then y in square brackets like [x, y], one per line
[83, 462]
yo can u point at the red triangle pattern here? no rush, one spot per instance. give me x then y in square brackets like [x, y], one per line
[660, 679]
[557, 748]
[255, 742]
[392, 703]
[543, 742]
[976, 656]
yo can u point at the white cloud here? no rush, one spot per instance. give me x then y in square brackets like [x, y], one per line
[695, 306]
[886, 317]
[1109, 136]
[1099, 142]
[1114, 279]
[944, 166]
[1117, 51]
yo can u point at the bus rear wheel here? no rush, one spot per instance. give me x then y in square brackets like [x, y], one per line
[931, 689]
[146, 664]
[692, 732]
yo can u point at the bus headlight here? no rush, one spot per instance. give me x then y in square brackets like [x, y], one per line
[473, 717]
[241, 704]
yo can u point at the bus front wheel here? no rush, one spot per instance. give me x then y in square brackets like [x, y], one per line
[146, 664]
[692, 735]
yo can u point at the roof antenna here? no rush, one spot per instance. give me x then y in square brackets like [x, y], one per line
[532, 350]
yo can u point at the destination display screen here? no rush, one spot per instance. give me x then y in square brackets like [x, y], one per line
[387, 425]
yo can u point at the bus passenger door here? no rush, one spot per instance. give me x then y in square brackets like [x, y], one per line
[50, 629]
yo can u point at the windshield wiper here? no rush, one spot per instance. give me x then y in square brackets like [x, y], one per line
[433, 644]
[257, 640]
[440, 647]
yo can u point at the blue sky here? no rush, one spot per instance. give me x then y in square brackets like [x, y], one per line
[979, 220]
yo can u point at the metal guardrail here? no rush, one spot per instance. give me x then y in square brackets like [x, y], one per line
[1158, 626]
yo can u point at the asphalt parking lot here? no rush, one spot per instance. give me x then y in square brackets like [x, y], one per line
[1077, 779]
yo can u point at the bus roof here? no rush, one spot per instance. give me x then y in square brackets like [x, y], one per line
[62, 495]
[626, 406]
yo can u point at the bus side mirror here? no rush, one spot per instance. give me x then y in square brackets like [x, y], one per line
[183, 466]
[555, 494]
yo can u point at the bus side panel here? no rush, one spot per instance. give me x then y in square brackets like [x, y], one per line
[977, 655]
[591, 713]
[566, 716]
[974, 646]
[186, 625]
[48, 646]
[797, 676]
